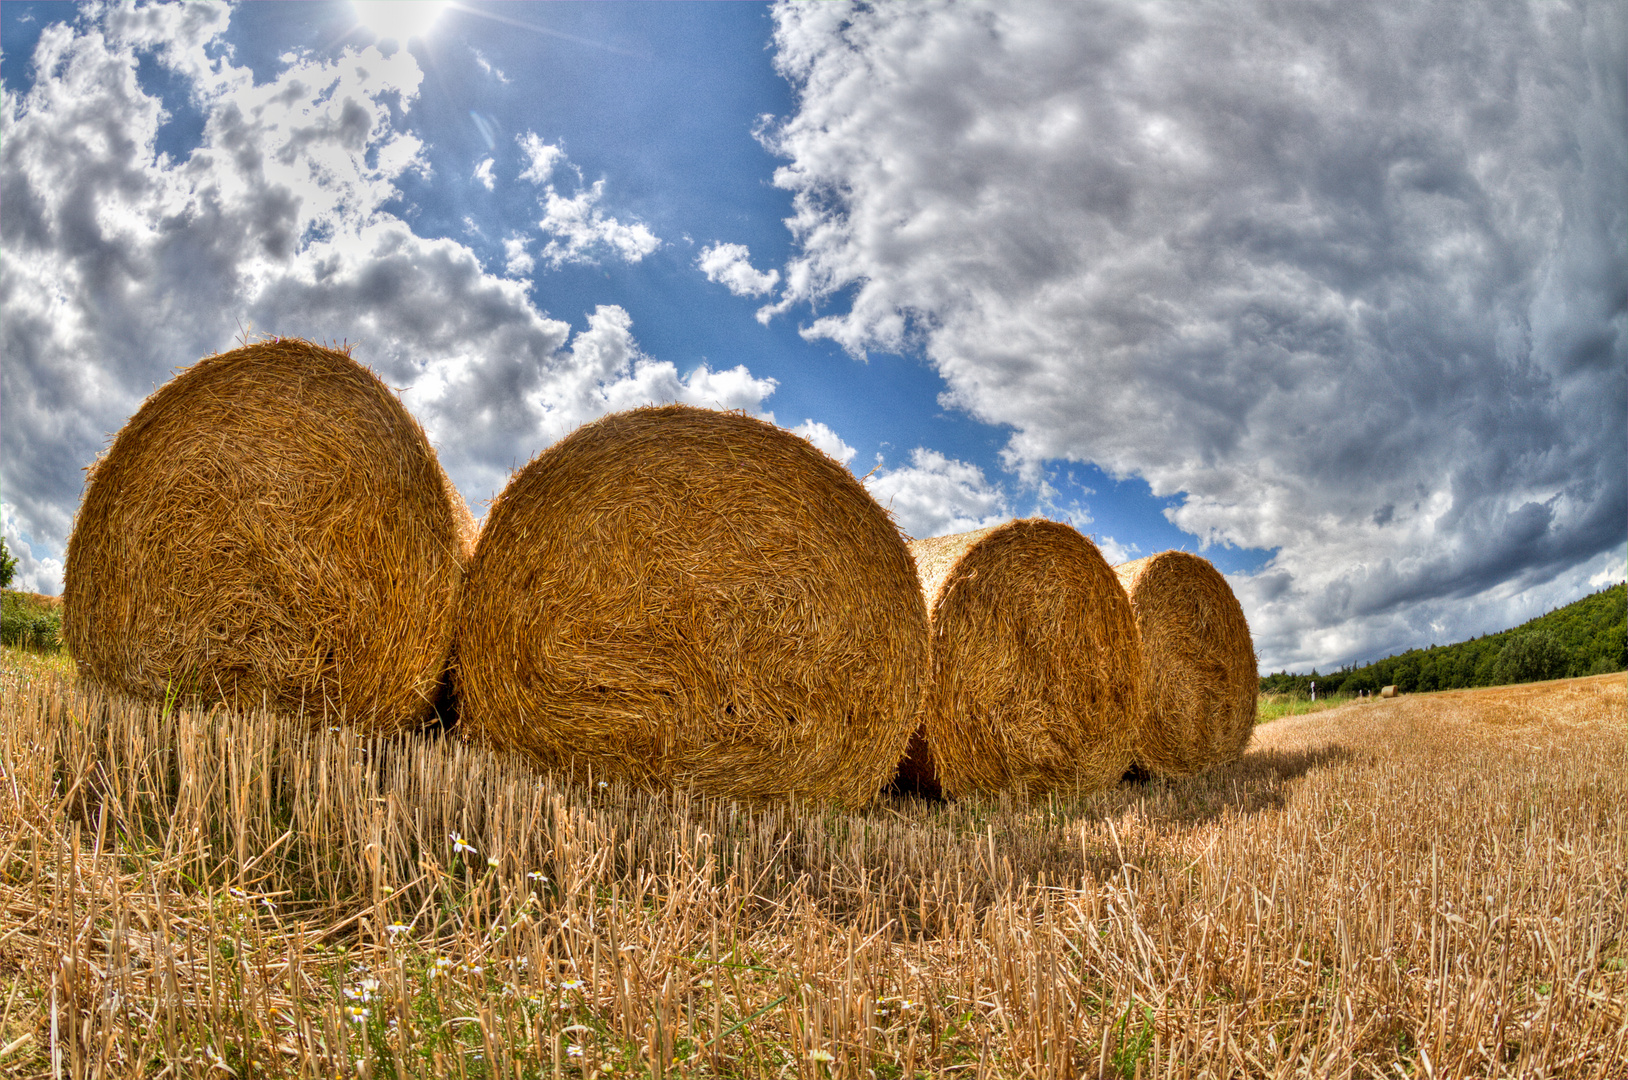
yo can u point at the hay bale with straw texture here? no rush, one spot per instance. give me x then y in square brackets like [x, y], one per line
[677, 596]
[1201, 679]
[271, 525]
[1035, 670]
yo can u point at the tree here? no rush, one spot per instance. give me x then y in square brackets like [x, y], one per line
[8, 564]
[1532, 656]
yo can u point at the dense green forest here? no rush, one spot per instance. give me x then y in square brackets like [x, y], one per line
[1584, 638]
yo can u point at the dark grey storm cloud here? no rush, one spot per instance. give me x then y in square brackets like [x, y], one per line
[1351, 276]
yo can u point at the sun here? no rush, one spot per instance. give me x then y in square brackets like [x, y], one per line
[398, 20]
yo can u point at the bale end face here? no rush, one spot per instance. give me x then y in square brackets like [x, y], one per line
[1035, 673]
[1200, 670]
[271, 526]
[682, 597]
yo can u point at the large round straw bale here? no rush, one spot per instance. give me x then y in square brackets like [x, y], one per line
[1035, 671]
[1201, 679]
[270, 527]
[677, 596]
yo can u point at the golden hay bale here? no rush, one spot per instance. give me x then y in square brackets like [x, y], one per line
[1388, 692]
[684, 597]
[1035, 670]
[1201, 679]
[273, 526]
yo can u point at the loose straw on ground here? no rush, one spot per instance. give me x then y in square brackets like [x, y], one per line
[677, 596]
[271, 526]
[1202, 685]
[1035, 670]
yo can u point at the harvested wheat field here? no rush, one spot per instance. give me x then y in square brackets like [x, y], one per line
[1036, 679]
[1200, 681]
[270, 527]
[677, 596]
[1431, 886]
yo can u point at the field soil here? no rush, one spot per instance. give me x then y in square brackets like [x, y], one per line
[1428, 886]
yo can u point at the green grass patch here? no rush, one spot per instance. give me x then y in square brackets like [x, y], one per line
[1276, 706]
[30, 622]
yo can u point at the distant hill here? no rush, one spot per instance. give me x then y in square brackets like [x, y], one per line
[1583, 638]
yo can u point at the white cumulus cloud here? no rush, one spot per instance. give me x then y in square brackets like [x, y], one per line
[1348, 278]
[121, 264]
[517, 260]
[731, 266]
[935, 495]
[33, 573]
[541, 158]
[578, 230]
[822, 436]
[1115, 552]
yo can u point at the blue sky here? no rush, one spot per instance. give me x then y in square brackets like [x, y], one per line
[1306, 291]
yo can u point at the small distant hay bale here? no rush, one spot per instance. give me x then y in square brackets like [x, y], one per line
[270, 527]
[1035, 671]
[1202, 683]
[681, 597]
[1389, 691]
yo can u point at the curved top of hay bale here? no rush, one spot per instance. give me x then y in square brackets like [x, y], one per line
[1201, 679]
[271, 525]
[1035, 671]
[680, 596]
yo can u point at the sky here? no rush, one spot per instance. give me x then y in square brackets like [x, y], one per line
[1332, 294]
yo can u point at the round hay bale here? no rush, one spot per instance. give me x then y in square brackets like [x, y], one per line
[270, 526]
[676, 596]
[1035, 671]
[1200, 665]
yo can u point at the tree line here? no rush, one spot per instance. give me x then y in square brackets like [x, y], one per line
[1588, 637]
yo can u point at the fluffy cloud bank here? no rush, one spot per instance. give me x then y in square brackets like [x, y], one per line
[121, 263]
[1351, 277]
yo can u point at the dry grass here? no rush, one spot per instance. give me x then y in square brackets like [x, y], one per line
[678, 596]
[1198, 661]
[1036, 675]
[271, 526]
[1430, 886]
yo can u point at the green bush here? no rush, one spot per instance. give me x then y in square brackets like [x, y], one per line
[8, 564]
[29, 625]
